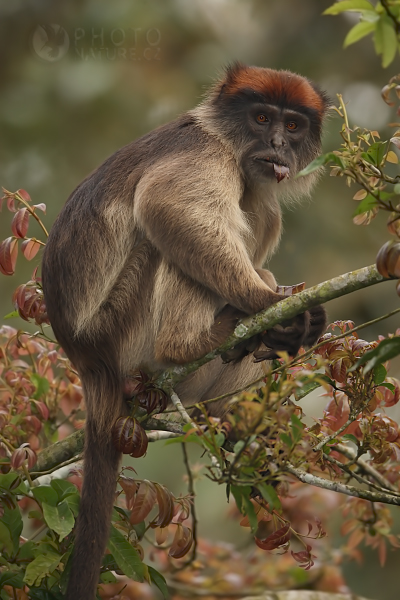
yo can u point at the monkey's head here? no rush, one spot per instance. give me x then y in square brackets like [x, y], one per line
[272, 120]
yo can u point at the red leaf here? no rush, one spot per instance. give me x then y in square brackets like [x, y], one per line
[165, 502]
[42, 409]
[18, 297]
[8, 255]
[24, 195]
[145, 500]
[130, 487]
[304, 557]
[279, 538]
[182, 541]
[20, 223]
[161, 535]
[30, 248]
[11, 204]
[338, 408]
[41, 207]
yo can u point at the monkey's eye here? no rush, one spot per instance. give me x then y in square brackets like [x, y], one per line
[291, 125]
[262, 118]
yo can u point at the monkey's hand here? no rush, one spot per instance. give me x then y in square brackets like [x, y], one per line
[303, 330]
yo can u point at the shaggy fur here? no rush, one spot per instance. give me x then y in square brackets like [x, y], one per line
[158, 252]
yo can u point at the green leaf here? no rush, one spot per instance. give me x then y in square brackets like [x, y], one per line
[286, 439]
[11, 315]
[14, 576]
[351, 5]
[59, 518]
[42, 385]
[45, 493]
[159, 581]
[63, 488]
[125, 555]
[35, 514]
[385, 40]
[245, 506]
[40, 567]
[269, 494]
[389, 386]
[66, 560]
[386, 350]
[238, 492]
[238, 447]
[108, 577]
[250, 512]
[306, 389]
[219, 439]
[396, 188]
[73, 502]
[140, 529]
[26, 551]
[6, 481]
[297, 429]
[368, 203]
[13, 521]
[375, 153]
[358, 32]
[192, 438]
[6, 542]
[351, 438]
[379, 374]
[317, 163]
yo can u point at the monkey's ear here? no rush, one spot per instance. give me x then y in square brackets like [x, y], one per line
[229, 77]
[233, 70]
[327, 103]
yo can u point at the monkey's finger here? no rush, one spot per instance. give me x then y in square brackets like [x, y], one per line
[261, 355]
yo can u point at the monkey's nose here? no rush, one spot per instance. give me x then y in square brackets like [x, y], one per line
[277, 141]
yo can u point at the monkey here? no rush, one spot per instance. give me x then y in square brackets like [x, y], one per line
[158, 253]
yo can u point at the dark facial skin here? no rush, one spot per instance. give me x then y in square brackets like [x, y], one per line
[278, 134]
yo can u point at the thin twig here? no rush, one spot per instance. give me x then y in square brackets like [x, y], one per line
[328, 438]
[389, 13]
[366, 467]
[341, 488]
[352, 474]
[156, 436]
[193, 505]
[294, 361]
[181, 409]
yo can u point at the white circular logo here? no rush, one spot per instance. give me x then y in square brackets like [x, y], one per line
[50, 42]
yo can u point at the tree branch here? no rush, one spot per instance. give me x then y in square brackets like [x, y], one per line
[62, 451]
[342, 488]
[285, 309]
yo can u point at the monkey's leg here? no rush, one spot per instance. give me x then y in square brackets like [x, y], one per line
[215, 379]
[185, 311]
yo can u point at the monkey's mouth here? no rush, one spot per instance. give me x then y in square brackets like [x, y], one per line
[280, 171]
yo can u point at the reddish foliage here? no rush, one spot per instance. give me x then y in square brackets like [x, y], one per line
[278, 539]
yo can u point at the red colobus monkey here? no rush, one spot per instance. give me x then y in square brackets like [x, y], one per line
[157, 253]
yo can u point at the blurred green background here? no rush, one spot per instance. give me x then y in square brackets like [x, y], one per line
[116, 70]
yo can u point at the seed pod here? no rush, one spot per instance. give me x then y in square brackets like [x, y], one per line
[129, 437]
[135, 384]
[388, 259]
[152, 398]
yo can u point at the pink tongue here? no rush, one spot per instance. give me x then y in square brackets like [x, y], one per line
[280, 172]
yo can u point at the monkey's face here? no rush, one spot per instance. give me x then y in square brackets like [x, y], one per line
[279, 142]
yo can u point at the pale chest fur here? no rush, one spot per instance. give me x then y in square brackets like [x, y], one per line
[263, 213]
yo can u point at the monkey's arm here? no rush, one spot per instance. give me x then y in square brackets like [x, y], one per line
[192, 215]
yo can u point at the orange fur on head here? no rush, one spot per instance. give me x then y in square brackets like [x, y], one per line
[276, 86]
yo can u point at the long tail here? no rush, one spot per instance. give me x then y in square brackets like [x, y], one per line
[101, 462]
